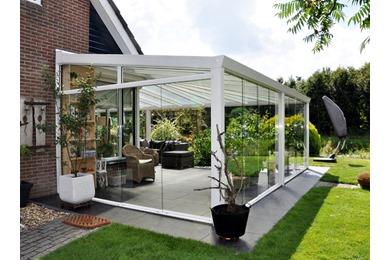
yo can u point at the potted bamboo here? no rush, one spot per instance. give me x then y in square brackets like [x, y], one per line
[229, 219]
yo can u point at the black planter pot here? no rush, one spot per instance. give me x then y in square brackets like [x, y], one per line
[229, 226]
[25, 188]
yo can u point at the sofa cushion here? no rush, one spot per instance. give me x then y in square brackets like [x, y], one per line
[143, 161]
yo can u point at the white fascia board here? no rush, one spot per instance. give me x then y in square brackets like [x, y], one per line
[160, 61]
[114, 26]
[249, 74]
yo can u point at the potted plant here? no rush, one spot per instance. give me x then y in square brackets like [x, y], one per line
[25, 186]
[229, 219]
[78, 187]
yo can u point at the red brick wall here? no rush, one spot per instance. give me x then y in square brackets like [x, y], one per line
[62, 24]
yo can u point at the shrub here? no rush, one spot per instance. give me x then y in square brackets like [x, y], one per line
[315, 140]
[202, 148]
[165, 129]
[293, 134]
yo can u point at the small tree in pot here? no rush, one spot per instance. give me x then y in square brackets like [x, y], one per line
[73, 118]
[72, 134]
[229, 219]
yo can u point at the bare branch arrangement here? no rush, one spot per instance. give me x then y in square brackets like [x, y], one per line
[227, 191]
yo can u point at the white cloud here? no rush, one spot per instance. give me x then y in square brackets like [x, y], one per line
[245, 30]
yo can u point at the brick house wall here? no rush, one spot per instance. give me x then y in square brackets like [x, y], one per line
[43, 29]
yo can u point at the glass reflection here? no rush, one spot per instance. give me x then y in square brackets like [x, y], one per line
[294, 136]
[250, 134]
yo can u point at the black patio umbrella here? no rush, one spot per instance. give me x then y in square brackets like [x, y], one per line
[340, 125]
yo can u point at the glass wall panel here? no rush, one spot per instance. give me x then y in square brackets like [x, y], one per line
[128, 116]
[109, 145]
[181, 125]
[250, 112]
[294, 136]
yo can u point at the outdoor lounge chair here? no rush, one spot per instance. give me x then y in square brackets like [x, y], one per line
[139, 164]
[340, 125]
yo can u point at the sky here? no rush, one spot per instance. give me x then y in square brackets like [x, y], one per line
[246, 30]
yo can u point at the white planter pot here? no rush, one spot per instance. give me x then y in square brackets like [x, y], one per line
[76, 190]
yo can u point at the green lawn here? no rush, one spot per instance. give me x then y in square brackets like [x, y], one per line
[326, 223]
[345, 170]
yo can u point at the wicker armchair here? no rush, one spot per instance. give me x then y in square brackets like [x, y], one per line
[152, 152]
[139, 165]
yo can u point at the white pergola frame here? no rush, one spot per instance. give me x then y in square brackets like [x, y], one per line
[214, 69]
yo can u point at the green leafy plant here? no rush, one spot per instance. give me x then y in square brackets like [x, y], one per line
[320, 16]
[201, 146]
[73, 117]
[104, 148]
[25, 151]
[243, 133]
[187, 120]
[165, 129]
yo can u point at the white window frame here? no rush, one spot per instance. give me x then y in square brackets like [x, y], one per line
[38, 2]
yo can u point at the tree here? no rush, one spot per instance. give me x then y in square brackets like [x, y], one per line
[320, 15]
[348, 87]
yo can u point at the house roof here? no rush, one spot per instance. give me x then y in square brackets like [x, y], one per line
[116, 26]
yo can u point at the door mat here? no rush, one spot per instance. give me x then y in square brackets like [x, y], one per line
[86, 221]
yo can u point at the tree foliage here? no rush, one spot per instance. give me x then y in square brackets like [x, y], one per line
[319, 16]
[348, 87]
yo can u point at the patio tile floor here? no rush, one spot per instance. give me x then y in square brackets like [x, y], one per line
[263, 216]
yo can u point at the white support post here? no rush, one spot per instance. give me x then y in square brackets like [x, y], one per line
[217, 118]
[281, 138]
[119, 77]
[307, 134]
[57, 123]
[148, 131]
[136, 111]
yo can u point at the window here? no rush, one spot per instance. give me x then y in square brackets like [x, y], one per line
[38, 2]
